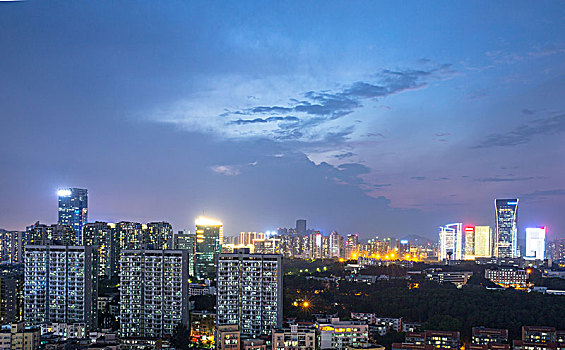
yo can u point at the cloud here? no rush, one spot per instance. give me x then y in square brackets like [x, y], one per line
[542, 194]
[419, 178]
[264, 120]
[228, 170]
[504, 179]
[344, 155]
[526, 132]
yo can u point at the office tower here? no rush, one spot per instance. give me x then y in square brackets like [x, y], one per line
[469, 243]
[185, 240]
[159, 235]
[301, 226]
[209, 234]
[130, 235]
[73, 209]
[337, 245]
[483, 242]
[11, 292]
[506, 234]
[249, 292]
[60, 285]
[535, 243]
[153, 292]
[57, 234]
[378, 248]
[403, 248]
[351, 246]
[104, 236]
[450, 242]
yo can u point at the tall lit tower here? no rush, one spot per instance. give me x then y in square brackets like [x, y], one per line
[73, 209]
[483, 241]
[506, 234]
[535, 243]
[301, 226]
[450, 241]
[209, 236]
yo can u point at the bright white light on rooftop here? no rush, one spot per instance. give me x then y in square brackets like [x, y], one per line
[64, 192]
[204, 221]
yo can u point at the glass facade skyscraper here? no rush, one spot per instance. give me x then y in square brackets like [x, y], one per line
[506, 241]
[73, 209]
[451, 242]
[209, 236]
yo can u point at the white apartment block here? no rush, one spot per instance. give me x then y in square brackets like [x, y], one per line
[60, 285]
[153, 292]
[249, 291]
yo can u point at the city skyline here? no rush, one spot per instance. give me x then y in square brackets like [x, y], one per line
[372, 118]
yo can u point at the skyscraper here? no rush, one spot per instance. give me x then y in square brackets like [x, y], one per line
[130, 235]
[60, 285]
[337, 245]
[159, 235]
[73, 209]
[209, 235]
[506, 235]
[301, 226]
[450, 242]
[103, 236]
[469, 242]
[153, 292]
[249, 291]
[185, 240]
[535, 243]
[483, 241]
[57, 234]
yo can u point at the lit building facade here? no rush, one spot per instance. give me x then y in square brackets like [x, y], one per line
[103, 236]
[352, 246]
[506, 235]
[130, 235]
[186, 240]
[469, 242]
[73, 209]
[294, 338]
[451, 242]
[249, 292]
[159, 235]
[209, 235]
[57, 234]
[153, 292]
[507, 277]
[337, 245]
[340, 335]
[12, 246]
[483, 242]
[60, 285]
[535, 243]
[11, 296]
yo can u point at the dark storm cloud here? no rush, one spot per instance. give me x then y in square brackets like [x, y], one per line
[332, 105]
[504, 179]
[526, 132]
[264, 120]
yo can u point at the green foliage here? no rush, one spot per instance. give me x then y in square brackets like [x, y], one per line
[180, 339]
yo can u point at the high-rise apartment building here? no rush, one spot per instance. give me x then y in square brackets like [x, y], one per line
[506, 235]
[57, 234]
[12, 246]
[130, 235]
[336, 245]
[351, 246]
[73, 209]
[247, 238]
[104, 236]
[249, 291]
[535, 243]
[11, 295]
[451, 242]
[186, 240]
[301, 226]
[483, 242]
[153, 292]
[556, 249]
[60, 285]
[159, 235]
[209, 235]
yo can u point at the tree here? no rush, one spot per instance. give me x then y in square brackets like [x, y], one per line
[181, 337]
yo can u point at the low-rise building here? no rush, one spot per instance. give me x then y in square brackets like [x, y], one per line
[339, 334]
[228, 337]
[507, 277]
[18, 337]
[253, 344]
[294, 338]
[482, 335]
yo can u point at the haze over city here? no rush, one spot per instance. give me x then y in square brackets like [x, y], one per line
[361, 117]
